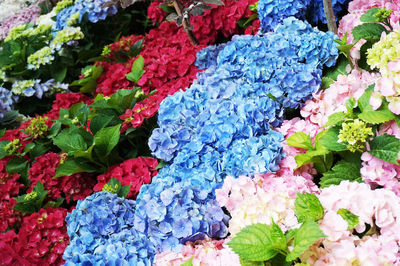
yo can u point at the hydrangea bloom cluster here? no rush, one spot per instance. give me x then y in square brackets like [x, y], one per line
[205, 252]
[378, 208]
[74, 187]
[384, 51]
[10, 7]
[29, 88]
[134, 172]
[333, 99]
[316, 9]
[272, 13]
[170, 213]
[94, 9]
[42, 238]
[242, 87]
[26, 15]
[66, 100]
[250, 201]
[359, 7]
[101, 230]
[7, 100]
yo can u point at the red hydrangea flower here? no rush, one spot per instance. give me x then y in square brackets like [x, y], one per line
[66, 100]
[43, 237]
[9, 186]
[253, 28]
[9, 218]
[155, 13]
[113, 78]
[77, 186]
[134, 172]
[120, 49]
[8, 250]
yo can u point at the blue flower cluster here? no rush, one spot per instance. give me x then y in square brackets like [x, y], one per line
[170, 213]
[7, 100]
[93, 8]
[272, 12]
[316, 10]
[101, 231]
[29, 88]
[207, 57]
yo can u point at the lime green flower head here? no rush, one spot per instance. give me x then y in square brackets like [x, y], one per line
[66, 35]
[355, 133]
[41, 57]
[37, 127]
[15, 32]
[12, 147]
[73, 20]
[62, 4]
[384, 51]
[109, 188]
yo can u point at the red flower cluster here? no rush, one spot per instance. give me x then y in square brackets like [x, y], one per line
[218, 19]
[9, 188]
[134, 172]
[113, 78]
[41, 240]
[120, 49]
[66, 100]
[75, 187]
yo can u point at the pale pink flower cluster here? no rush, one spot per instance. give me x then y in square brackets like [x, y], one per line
[261, 200]
[376, 172]
[359, 7]
[205, 252]
[28, 14]
[388, 86]
[379, 209]
[333, 99]
[288, 165]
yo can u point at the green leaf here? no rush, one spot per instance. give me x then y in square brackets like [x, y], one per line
[137, 70]
[363, 102]
[90, 86]
[32, 202]
[368, 31]
[97, 72]
[300, 140]
[189, 262]
[308, 233]
[349, 217]
[98, 122]
[54, 204]
[106, 139]
[249, 263]
[3, 152]
[341, 171]
[377, 116]
[70, 140]
[38, 150]
[362, 62]
[17, 165]
[55, 128]
[330, 140]
[2, 132]
[290, 235]
[258, 242]
[339, 69]
[308, 208]
[161, 164]
[369, 15]
[385, 147]
[335, 119]
[59, 74]
[124, 191]
[309, 156]
[74, 165]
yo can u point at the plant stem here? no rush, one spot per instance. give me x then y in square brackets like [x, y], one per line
[330, 16]
[185, 22]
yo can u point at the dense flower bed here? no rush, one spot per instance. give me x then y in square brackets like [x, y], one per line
[271, 141]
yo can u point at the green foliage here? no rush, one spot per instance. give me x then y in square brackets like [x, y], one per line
[31, 202]
[75, 165]
[300, 140]
[368, 31]
[137, 70]
[189, 262]
[329, 139]
[114, 186]
[258, 242]
[308, 208]
[349, 217]
[20, 166]
[343, 170]
[336, 119]
[385, 147]
[308, 233]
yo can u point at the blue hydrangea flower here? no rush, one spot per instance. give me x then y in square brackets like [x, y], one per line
[316, 10]
[207, 57]
[7, 100]
[94, 10]
[272, 12]
[101, 231]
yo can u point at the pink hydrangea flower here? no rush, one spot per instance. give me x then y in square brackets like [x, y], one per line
[205, 252]
[333, 99]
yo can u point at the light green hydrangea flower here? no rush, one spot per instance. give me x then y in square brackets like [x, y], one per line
[15, 32]
[20, 85]
[66, 35]
[41, 57]
[73, 20]
[384, 51]
[62, 4]
[355, 133]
